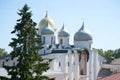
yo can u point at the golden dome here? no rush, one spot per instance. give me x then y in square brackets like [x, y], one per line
[46, 20]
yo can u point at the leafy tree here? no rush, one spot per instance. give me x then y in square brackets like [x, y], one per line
[30, 65]
[116, 53]
[2, 52]
[108, 54]
[101, 52]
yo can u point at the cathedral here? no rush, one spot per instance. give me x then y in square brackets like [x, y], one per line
[68, 62]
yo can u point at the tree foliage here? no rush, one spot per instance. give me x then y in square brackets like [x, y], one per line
[116, 53]
[30, 65]
[2, 52]
[109, 53]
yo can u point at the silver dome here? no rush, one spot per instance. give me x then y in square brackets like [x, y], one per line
[47, 30]
[82, 35]
[63, 32]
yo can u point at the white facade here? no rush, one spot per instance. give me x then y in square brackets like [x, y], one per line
[68, 64]
[64, 41]
[73, 62]
[83, 44]
[48, 39]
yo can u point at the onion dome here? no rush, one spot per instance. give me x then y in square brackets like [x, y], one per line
[45, 20]
[47, 29]
[63, 32]
[82, 34]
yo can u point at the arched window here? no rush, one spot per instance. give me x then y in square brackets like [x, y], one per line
[59, 64]
[61, 41]
[74, 63]
[51, 40]
[43, 39]
[54, 39]
[68, 63]
[89, 45]
[68, 40]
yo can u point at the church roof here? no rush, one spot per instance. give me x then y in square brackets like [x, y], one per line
[45, 20]
[115, 61]
[53, 73]
[59, 51]
[63, 32]
[47, 30]
[104, 72]
[51, 56]
[82, 34]
[112, 77]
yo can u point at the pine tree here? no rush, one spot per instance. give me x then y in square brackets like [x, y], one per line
[30, 65]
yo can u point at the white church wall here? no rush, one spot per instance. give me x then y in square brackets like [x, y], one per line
[48, 39]
[64, 42]
[63, 63]
[90, 66]
[100, 60]
[66, 64]
[73, 66]
[94, 64]
[70, 66]
[52, 64]
[61, 77]
[77, 74]
[59, 63]
[56, 66]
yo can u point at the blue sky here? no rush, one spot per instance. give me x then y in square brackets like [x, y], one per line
[101, 18]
